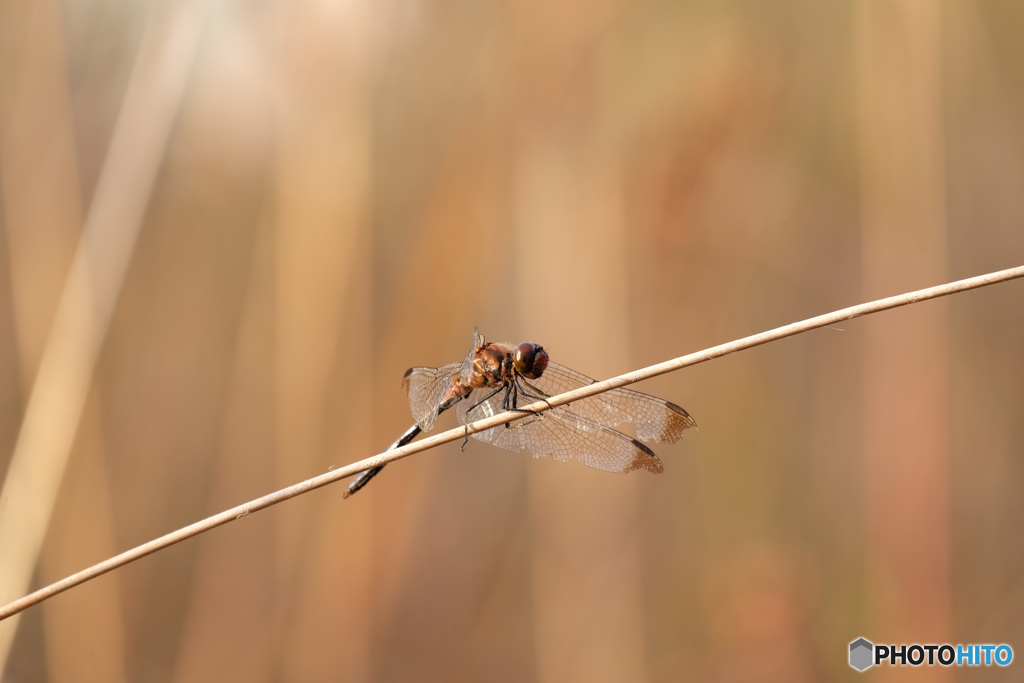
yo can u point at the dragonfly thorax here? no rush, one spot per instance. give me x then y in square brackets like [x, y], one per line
[492, 366]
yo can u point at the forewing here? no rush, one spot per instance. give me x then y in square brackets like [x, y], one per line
[656, 419]
[466, 366]
[427, 388]
[562, 434]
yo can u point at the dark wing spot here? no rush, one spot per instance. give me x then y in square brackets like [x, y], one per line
[645, 459]
[678, 421]
[405, 379]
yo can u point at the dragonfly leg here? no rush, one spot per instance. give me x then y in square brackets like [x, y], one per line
[537, 417]
[483, 400]
[514, 406]
[472, 408]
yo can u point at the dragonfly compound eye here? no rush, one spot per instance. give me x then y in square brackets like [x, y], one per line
[530, 360]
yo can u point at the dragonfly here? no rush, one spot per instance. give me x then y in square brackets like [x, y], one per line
[500, 377]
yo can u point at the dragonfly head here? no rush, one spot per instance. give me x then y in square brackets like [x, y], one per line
[529, 360]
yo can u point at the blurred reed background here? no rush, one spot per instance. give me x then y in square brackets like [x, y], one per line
[311, 196]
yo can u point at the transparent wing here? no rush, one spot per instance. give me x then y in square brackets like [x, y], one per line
[428, 389]
[466, 369]
[655, 419]
[560, 433]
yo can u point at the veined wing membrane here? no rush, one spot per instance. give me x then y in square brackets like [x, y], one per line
[426, 388]
[560, 433]
[656, 419]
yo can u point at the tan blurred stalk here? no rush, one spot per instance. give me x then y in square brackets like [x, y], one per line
[39, 174]
[322, 254]
[227, 633]
[43, 218]
[570, 240]
[89, 294]
[43, 211]
[570, 236]
[586, 563]
[906, 357]
[432, 322]
[82, 531]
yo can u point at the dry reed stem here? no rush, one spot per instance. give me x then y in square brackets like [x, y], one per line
[498, 420]
[91, 291]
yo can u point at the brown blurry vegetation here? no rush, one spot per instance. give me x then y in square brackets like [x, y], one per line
[349, 187]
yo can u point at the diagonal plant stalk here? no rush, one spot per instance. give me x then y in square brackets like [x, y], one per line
[481, 425]
[91, 291]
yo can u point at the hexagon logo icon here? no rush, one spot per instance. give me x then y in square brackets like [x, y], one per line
[861, 654]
